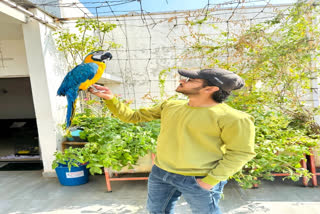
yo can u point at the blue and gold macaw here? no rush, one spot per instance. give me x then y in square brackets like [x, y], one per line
[81, 78]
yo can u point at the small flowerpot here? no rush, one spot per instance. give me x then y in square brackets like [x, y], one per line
[76, 176]
[75, 135]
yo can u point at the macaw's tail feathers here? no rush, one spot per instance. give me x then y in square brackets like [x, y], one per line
[61, 91]
[71, 97]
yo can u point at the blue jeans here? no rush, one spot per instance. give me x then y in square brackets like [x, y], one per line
[165, 188]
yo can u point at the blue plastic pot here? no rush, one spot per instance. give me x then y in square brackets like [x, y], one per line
[76, 176]
[75, 133]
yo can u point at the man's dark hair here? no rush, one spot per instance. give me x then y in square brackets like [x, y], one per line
[218, 96]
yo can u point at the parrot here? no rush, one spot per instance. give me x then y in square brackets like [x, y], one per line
[82, 77]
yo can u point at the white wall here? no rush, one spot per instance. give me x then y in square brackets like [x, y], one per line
[14, 63]
[18, 101]
[140, 60]
[46, 69]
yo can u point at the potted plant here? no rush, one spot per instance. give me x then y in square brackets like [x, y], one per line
[112, 143]
[73, 135]
[71, 166]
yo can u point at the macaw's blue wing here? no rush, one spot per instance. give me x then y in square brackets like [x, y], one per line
[76, 76]
[71, 83]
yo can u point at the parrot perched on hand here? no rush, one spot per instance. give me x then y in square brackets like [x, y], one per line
[81, 78]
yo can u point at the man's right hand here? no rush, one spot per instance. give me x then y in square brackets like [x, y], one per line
[103, 92]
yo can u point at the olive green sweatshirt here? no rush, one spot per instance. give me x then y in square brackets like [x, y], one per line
[214, 142]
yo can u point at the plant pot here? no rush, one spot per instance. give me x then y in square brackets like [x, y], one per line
[76, 176]
[75, 135]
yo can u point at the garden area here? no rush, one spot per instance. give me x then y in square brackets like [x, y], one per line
[277, 58]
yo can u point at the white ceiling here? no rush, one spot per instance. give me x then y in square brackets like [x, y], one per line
[10, 28]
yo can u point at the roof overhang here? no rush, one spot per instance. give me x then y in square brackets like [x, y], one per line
[13, 14]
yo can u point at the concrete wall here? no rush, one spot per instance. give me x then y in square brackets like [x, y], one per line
[152, 43]
[14, 62]
[46, 70]
[27, 50]
[15, 89]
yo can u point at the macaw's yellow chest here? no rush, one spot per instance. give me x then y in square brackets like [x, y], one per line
[85, 85]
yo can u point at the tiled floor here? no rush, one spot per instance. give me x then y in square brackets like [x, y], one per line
[29, 192]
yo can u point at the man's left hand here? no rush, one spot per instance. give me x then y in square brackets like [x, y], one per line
[204, 185]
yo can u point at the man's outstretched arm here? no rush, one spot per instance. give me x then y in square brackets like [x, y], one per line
[122, 111]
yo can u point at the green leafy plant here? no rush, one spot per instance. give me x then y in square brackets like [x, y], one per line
[89, 35]
[280, 146]
[71, 157]
[113, 143]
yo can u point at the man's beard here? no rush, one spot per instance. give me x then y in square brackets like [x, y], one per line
[188, 92]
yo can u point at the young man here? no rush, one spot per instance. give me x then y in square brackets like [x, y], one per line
[201, 143]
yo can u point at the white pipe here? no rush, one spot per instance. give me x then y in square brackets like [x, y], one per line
[28, 13]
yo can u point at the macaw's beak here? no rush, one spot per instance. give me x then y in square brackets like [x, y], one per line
[107, 56]
[101, 56]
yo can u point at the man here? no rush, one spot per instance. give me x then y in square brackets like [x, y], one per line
[201, 143]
